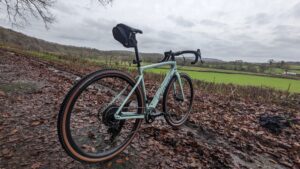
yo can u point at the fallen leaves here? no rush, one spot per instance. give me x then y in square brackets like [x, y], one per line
[36, 165]
[7, 153]
[119, 161]
[38, 122]
[88, 148]
[109, 164]
[14, 131]
[2, 93]
[35, 123]
[223, 128]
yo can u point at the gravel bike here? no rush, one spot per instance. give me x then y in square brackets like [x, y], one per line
[103, 111]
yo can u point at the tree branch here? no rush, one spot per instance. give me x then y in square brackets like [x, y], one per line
[18, 11]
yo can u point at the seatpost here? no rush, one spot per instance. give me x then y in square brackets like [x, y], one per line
[137, 57]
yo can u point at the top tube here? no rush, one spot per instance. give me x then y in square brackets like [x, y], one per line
[172, 63]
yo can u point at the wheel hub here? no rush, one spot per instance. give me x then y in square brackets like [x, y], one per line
[108, 117]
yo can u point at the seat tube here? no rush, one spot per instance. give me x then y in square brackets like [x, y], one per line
[140, 71]
[137, 57]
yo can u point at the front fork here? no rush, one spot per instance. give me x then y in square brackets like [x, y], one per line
[181, 87]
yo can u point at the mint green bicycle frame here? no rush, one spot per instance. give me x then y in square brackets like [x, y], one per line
[140, 81]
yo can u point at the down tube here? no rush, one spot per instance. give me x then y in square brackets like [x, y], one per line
[162, 88]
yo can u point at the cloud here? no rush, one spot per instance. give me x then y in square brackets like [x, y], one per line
[286, 30]
[296, 11]
[64, 8]
[288, 41]
[168, 35]
[99, 23]
[259, 19]
[180, 21]
[212, 23]
[228, 30]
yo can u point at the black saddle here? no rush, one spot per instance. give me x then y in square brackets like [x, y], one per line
[126, 35]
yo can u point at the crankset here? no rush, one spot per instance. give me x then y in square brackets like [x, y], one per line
[151, 115]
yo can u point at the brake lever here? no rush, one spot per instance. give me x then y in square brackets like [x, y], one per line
[199, 54]
[166, 56]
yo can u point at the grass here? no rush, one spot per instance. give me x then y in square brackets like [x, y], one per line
[295, 66]
[204, 74]
[243, 79]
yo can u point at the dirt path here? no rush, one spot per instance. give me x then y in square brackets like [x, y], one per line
[222, 132]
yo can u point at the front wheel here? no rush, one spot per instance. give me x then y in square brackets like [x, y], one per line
[177, 103]
[87, 128]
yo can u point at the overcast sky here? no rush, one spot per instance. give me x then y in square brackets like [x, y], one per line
[250, 30]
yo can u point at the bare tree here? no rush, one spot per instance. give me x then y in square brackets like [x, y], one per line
[105, 2]
[18, 11]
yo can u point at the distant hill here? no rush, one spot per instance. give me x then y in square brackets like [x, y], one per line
[12, 38]
[212, 60]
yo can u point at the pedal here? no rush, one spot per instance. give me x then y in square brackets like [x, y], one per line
[149, 119]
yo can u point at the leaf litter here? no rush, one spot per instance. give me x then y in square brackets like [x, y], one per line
[222, 131]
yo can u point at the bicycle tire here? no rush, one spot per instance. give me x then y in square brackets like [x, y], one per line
[167, 98]
[63, 125]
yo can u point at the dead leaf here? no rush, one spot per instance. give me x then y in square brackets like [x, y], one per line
[7, 153]
[89, 148]
[35, 123]
[119, 161]
[109, 164]
[2, 93]
[36, 165]
[14, 131]
[260, 132]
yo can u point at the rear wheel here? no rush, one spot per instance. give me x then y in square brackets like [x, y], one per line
[87, 128]
[176, 107]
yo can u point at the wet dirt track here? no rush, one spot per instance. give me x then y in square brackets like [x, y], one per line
[222, 132]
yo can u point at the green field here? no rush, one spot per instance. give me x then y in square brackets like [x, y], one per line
[242, 79]
[205, 74]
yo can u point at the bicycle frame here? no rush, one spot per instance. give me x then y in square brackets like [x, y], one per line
[140, 81]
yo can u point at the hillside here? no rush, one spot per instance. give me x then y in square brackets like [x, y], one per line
[19, 40]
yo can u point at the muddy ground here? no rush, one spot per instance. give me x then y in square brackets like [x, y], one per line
[222, 132]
